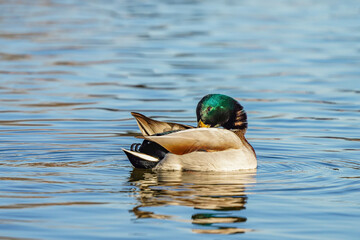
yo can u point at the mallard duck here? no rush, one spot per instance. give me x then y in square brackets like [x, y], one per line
[173, 146]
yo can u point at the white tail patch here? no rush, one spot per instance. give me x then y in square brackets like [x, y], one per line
[142, 155]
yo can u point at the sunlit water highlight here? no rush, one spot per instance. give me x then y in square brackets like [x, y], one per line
[71, 71]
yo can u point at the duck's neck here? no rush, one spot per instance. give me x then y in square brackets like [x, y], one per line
[241, 134]
[238, 118]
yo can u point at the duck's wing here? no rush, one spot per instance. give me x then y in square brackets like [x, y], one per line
[150, 126]
[198, 139]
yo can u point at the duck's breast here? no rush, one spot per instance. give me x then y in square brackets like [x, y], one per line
[227, 160]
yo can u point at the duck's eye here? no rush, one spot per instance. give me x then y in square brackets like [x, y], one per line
[209, 109]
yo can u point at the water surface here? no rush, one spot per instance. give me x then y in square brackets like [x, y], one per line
[71, 72]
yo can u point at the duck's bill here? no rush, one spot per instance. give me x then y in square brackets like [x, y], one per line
[203, 125]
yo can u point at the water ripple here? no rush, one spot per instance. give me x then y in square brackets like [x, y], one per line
[71, 73]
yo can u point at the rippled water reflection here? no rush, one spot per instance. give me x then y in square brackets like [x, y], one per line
[217, 198]
[71, 71]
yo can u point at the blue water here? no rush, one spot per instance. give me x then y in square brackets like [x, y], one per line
[71, 72]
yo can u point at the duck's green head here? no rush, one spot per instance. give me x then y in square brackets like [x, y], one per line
[217, 110]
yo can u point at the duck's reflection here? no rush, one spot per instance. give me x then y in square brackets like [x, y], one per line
[218, 197]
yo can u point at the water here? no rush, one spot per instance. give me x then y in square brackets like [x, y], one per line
[71, 71]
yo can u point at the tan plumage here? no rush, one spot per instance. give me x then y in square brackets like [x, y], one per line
[198, 139]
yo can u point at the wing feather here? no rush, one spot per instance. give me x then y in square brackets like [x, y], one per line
[198, 139]
[150, 126]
